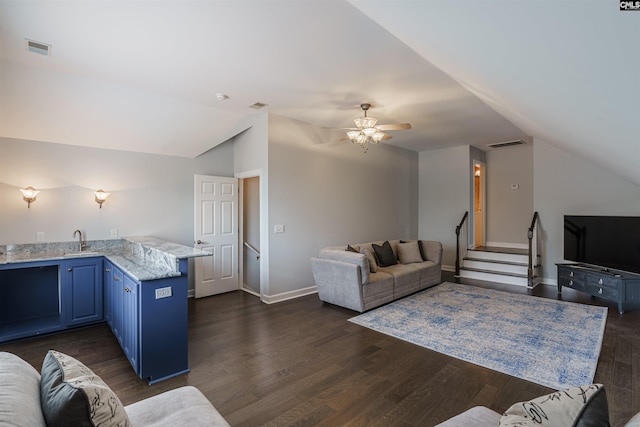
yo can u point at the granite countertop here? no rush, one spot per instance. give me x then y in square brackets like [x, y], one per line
[143, 258]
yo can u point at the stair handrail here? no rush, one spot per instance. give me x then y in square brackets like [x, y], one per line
[530, 235]
[458, 228]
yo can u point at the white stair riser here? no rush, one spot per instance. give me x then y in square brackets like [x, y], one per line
[492, 277]
[498, 256]
[493, 266]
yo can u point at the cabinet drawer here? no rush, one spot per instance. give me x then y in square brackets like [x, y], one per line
[577, 284]
[570, 274]
[603, 281]
[602, 291]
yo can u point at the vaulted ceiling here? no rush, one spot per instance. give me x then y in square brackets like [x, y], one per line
[144, 75]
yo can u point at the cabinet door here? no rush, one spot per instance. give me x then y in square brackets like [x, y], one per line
[117, 300]
[107, 284]
[131, 322]
[83, 291]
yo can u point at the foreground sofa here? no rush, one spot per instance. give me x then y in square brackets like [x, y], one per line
[67, 393]
[584, 406]
[366, 275]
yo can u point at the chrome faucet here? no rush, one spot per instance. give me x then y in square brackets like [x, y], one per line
[80, 241]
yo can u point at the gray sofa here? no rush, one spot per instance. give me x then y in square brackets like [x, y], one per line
[358, 281]
[583, 406]
[70, 394]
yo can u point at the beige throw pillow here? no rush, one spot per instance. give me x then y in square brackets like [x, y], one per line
[409, 253]
[373, 265]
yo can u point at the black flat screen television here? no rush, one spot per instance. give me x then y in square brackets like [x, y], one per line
[603, 241]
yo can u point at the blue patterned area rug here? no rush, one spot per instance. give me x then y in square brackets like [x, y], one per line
[548, 342]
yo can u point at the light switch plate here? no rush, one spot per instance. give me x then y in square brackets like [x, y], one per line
[114, 232]
[278, 228]
[40, 236]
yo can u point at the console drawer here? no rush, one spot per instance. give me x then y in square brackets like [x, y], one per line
[578, 284]
[602, 291]
[603, 281]
[569, 274]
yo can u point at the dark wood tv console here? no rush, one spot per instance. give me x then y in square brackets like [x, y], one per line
[612, 285]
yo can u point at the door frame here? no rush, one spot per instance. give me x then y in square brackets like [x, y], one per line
[483, 203]
[263, 251]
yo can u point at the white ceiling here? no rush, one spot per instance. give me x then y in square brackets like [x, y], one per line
[143, 75]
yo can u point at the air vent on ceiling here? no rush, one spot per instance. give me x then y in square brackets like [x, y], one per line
[38, 47]
[506, 144]
[258, 105]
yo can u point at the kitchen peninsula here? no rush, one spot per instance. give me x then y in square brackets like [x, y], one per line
[138, 285]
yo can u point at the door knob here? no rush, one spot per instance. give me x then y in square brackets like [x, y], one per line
[199, 242]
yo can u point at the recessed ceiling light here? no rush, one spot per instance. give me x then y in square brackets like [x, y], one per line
[39, 48]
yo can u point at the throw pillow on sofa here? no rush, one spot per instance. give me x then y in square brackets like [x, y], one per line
[384, 254]
[409, 253]
[373, 265]
[72, 395]
[580, 407]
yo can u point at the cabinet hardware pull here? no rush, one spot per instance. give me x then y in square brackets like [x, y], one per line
[600, 282]
[571, 274]
[570, 282]
[108, 270]
[115, 278]
[69, 269]
[600, 291]
[127, 290]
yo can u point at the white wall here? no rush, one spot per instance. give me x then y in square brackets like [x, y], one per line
[444, 194]
[150, 194]
[509, 211]
[328, 192]
[564, 184]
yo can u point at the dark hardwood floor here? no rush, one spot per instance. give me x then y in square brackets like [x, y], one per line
[300, 362]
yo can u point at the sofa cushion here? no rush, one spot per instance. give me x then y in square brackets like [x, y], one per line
[184, 406]
[373, 265]
[478, 416]
[384, 254]
[580, 407]
[19, 393]
[409, 253]
[71, 394]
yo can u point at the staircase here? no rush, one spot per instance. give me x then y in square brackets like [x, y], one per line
[501, 265]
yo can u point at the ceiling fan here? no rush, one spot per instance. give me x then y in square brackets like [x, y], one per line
[368, 131]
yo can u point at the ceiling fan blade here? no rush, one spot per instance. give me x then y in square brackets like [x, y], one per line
[386, 137]
[394, 126]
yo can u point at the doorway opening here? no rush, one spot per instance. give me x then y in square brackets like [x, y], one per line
[250, 235]
[478, 237]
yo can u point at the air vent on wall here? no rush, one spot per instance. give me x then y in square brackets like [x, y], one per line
[506, 144]
[38, 47]
[258, 105]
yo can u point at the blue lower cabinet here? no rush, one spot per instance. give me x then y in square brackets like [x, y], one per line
[163, 328]
[149, 319]
[82, 291]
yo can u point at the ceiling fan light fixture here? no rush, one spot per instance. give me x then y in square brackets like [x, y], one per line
[365, 122]
[369, 131]
[377, 137]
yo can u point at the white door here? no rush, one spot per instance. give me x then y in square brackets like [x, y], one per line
[216, 231]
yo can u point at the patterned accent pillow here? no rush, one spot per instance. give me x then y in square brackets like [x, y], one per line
[579, 407]
[354, 248]
[409, 252]
[72, 395]
[384, 254]
[373, 265]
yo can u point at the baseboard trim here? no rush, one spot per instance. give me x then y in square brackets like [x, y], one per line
[271, 299]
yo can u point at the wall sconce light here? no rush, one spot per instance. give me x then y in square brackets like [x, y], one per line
[29, 195]
[101, 196]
